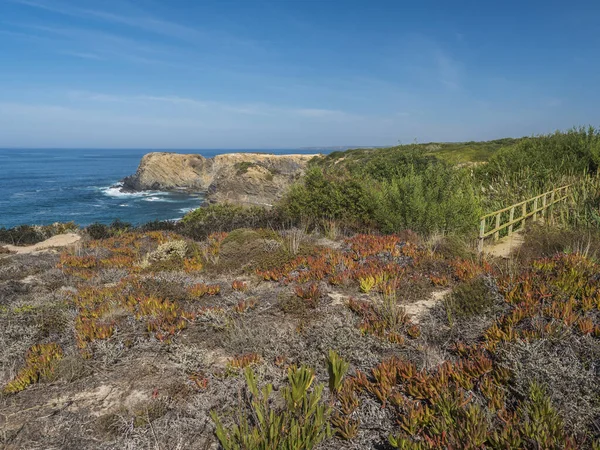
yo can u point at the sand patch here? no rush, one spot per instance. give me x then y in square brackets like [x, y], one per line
[60, 240]
[505, 246]
[417, 309]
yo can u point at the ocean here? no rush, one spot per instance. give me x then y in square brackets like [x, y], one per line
[40, 187]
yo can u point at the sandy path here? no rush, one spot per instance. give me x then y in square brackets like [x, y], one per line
[505, 246]
[60, 240]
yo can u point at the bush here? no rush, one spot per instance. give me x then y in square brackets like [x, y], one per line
[225, 217]
[548, 156]
[319, 196]
[471, 299]
[98, 231]
[160, 225]
[450, 247]
[567, 367]
[101, 231]
[242, 167]
[255, 249]
[422, 198]
[437, 199]
[169, 250]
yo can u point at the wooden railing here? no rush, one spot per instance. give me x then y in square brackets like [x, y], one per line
[505, 218]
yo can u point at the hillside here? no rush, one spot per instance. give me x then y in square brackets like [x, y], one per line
[451, 152]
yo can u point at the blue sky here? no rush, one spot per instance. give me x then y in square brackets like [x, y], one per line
[292, 73]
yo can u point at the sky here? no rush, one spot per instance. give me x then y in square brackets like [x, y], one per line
[293, 73]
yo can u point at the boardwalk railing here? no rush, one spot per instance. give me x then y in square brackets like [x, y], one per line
[493, 223]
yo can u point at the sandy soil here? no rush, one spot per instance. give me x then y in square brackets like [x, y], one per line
[505, 246]
[60, 240]
[418, 309]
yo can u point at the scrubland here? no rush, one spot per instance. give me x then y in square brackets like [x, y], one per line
[286, 339]
[353, 315]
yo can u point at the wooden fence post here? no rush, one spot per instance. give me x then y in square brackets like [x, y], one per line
[481, 234]
[535, 207]
[497, 233]
[510, 220]
[544, 207]
[523, 212]
[551, 211]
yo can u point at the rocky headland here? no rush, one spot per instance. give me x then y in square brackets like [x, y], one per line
[243, 178]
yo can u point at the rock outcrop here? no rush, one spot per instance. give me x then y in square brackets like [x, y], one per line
[244, 178]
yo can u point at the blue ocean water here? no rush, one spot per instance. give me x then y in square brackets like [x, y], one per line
[40, 187]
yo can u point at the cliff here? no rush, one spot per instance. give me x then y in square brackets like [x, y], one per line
[246, 178]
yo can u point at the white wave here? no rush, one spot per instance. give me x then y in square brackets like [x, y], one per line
[186, 210]
[115, 191]
[123, 204]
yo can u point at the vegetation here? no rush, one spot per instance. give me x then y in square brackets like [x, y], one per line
[243, 167]
[226, 328]
[30, 235]
[301, 424]
[227, 217]
[471, 298]
[337, 368]
[424, 188]
[493, 366]
[535, 165]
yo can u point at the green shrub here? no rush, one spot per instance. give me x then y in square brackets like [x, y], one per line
[417, 193]
[98, 231]
[470, 299]
[160, 225]
[301, 424]
[101, 231]
[319, 196]
[436, 199]
[548, 156]
[118, 226]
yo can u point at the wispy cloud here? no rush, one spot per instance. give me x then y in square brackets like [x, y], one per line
[82, 55]
[449, 69]
[101, 45]
[252, 109]
[320, 113]
[146, 22]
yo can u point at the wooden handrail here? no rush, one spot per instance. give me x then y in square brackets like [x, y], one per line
[556, 195]
[524, 202]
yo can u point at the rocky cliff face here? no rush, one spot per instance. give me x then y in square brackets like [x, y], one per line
[245, 178]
